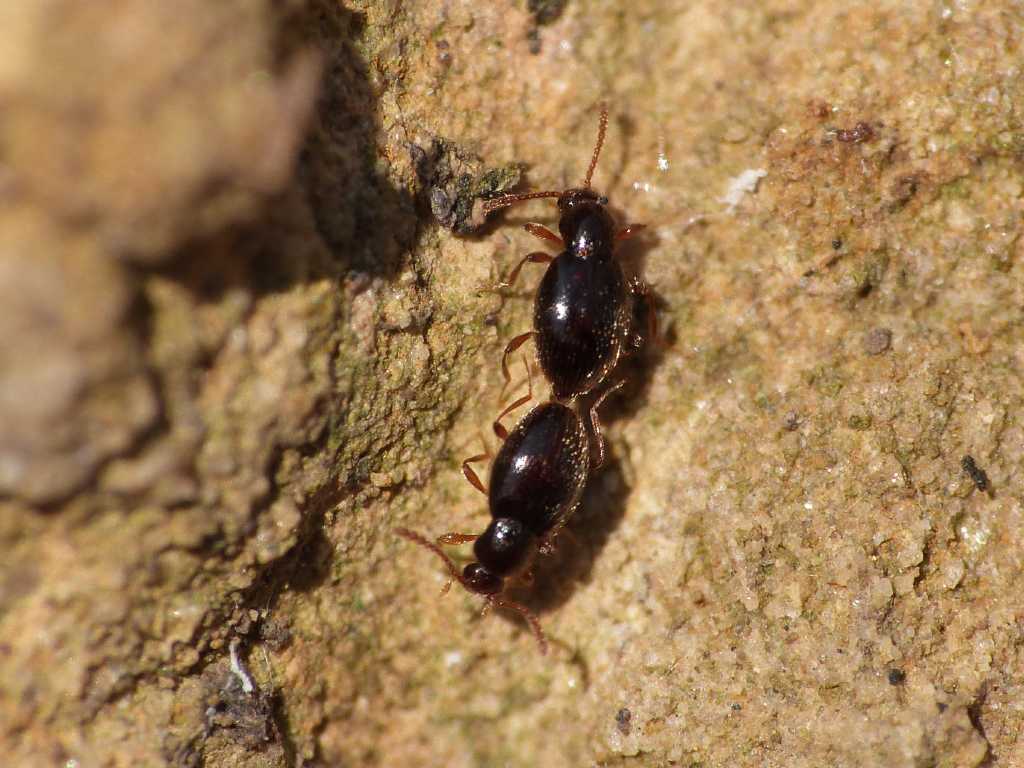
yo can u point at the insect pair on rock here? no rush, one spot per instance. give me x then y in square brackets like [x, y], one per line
[583, 323]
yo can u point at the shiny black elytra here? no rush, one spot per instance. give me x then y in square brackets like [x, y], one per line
[536, 483]
[582, 313]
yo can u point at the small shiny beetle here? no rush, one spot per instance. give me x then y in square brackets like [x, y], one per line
[536, 483]
[582, 313]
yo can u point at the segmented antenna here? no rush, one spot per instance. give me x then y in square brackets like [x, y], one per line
[506, 200]
[424, 542]
[492, 601]
[528, 616]
[601, 128]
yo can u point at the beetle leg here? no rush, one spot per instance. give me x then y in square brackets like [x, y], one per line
[511, 347]
[539, 230]
[451, 539]
[472, 476]
[537, 257]
[499, 428]
[595, 422]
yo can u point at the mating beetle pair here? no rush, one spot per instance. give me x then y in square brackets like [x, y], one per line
[583, 323]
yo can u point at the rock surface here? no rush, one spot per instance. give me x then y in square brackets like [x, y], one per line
[237, 350]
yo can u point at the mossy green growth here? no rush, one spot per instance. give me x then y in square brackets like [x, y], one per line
[957, 189]
[825, 379]
[456, 178]
[865, 276]
[859, 422]
[498, 180]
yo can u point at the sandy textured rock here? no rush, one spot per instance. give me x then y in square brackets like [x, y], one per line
[247, 333]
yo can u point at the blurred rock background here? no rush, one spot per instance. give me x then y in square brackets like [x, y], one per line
[248, 327]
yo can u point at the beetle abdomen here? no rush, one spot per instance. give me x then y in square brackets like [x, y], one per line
[579, 319]
[539, 473]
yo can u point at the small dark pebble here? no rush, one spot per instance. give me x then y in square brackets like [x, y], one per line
[622, 720]
[837, 244]
[897, 677]
[877, 341]
[978, 475]
[546, 11]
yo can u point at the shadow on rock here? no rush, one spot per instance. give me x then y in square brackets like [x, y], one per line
[366, 222]
[340, 213]
[557, 576]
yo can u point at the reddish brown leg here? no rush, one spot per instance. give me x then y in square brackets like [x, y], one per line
[511, 347]
[453, 539]
[627, 232]
[537, 257]
[507, 386]
[595, 422]
[539, 230]
[472, 476]
[499, 428]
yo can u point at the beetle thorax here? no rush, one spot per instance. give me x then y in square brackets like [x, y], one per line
[585, 225]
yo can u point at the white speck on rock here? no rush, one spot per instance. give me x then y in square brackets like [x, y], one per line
[742, 185]
[452, 659]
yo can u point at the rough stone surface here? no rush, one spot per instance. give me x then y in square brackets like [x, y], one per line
[237, 349]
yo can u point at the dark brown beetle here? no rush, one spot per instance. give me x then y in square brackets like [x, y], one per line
[537, 480]
[582, 313]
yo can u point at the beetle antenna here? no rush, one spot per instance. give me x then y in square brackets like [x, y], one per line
[492, 601]
[506, 200]
[424, 542]
[602, 127]
[530, 619]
